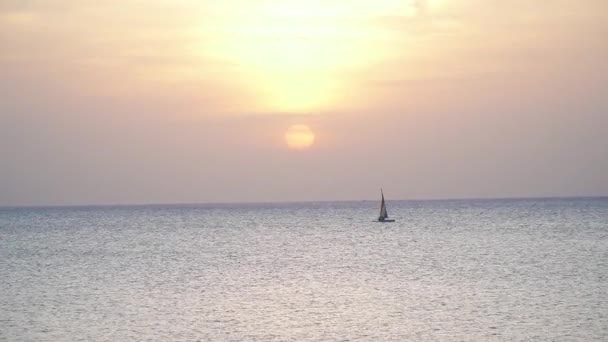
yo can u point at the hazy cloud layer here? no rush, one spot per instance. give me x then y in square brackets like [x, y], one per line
[188, 101]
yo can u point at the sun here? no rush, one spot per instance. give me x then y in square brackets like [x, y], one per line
[299, 137]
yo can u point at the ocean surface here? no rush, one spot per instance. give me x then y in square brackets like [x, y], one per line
[461, 270]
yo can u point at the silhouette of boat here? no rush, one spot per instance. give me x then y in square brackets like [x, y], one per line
[383, 213]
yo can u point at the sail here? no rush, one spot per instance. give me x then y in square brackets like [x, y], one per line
[383, 212]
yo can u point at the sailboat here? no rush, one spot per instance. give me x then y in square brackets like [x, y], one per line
[383, 213]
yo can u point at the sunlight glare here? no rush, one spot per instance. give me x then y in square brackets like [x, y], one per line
[297, 56]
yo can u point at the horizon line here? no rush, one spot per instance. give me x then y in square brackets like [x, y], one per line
[175, 204]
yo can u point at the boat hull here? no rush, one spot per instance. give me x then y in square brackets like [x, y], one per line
[383, 221]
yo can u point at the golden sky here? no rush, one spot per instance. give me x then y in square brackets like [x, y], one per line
[424, 70]
[287, 56]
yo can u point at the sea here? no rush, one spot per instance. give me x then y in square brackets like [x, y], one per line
[446, 270]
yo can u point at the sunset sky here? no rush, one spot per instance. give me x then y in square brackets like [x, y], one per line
[158, 101]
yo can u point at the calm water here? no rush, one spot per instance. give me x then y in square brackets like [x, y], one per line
[503, 270]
